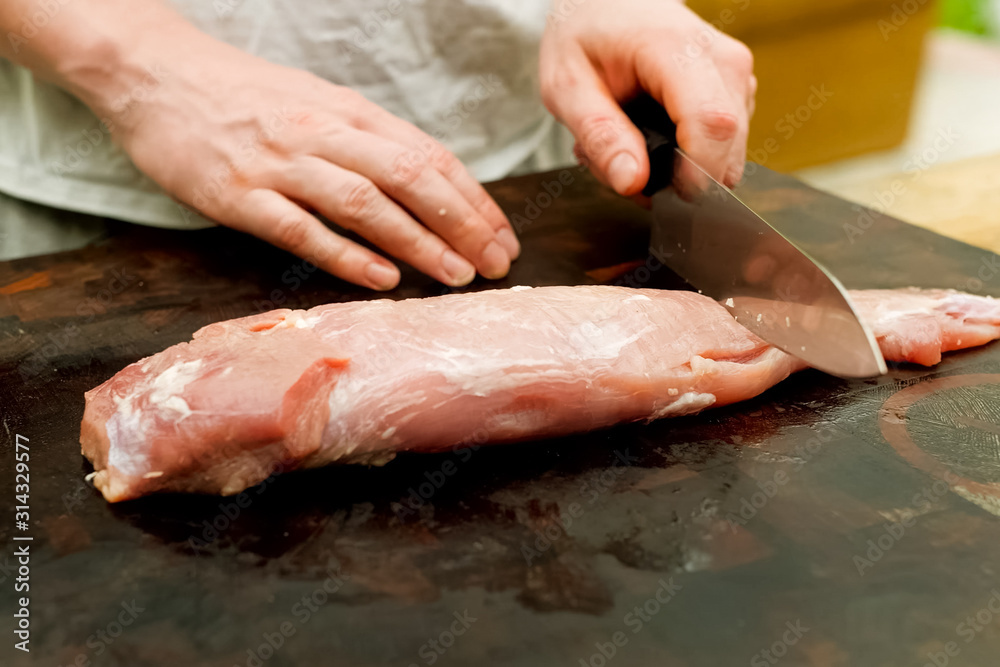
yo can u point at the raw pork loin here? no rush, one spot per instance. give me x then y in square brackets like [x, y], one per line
[356, 382]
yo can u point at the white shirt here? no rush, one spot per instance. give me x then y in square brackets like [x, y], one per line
[464, 71]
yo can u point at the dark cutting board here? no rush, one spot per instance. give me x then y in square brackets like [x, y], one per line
[827, 522]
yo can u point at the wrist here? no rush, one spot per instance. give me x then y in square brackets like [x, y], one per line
[110, 54]
[105, 67]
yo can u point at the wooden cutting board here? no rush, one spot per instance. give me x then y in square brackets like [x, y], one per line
[827, 522]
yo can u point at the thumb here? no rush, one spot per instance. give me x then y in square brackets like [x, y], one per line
[607, 141]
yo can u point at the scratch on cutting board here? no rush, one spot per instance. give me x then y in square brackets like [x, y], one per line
[989, 503]
[34, 281]
[979, 423]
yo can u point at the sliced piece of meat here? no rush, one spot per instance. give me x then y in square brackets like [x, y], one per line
[356, 382]
[919, 325]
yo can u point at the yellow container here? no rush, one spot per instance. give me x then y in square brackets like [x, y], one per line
[837, 78]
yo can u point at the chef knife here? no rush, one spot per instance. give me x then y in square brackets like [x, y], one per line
[715, 242]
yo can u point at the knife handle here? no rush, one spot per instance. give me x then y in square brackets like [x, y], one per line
[660, 133]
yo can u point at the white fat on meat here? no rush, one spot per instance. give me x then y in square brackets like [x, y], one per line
[686, 404]
[164, 394]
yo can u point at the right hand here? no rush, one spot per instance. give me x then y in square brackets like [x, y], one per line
[258, 147]
[604, 52]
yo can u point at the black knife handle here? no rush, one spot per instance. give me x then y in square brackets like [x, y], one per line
[661, 139]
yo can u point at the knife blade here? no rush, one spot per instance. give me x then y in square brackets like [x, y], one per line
[718, 244]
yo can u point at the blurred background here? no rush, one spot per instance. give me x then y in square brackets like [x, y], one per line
[975, 16]
[864, 97]
[846, 78]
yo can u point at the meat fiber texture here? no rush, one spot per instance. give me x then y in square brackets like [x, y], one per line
[357, 382]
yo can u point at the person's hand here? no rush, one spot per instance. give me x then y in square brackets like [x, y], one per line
[259, 148]
[598, 54]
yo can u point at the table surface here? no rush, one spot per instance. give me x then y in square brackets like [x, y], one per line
[827, 522]
[960, 199]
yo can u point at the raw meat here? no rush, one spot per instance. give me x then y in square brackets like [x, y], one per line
[356, 382]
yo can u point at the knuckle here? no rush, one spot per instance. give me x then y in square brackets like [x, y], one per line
[345, 100]
[739, 55]
[425, 248]
[360, 201]
[482, 202]
[555, 83]
[335, 260]
[719, 124]
[406, 169]
[467, 227]
[293, 231]
[443, 159]
[598, 133]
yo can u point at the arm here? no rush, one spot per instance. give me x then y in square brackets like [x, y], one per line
[258, 147]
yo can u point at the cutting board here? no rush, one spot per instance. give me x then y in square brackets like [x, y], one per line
[825, 523]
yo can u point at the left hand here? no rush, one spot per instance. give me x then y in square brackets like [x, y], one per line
[596, 54]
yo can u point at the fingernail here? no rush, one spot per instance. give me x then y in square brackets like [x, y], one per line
[495, 262]
[506, 238]
[381, 276]
[460, 271]
[622, 172]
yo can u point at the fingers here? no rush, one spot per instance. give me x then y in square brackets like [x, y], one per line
[357, 204]
[420, 186]
[709, 122]
[709, 97]
[607, 141]
[734, 62]
[424, 148]
[273, 218]
[751, 104]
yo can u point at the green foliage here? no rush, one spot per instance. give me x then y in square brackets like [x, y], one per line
[967, 15]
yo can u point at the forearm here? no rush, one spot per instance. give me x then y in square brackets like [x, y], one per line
[98, 50]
